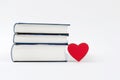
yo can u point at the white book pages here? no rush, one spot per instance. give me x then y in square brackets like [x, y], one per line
[40, 39]
[40, 28]
[39, 53]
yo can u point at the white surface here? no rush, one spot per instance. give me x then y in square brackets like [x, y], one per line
[41, 39]
[39, 53]
[96, 22]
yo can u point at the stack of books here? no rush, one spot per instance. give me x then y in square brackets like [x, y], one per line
[40, 42]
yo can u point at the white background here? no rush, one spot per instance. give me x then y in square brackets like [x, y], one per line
[96, 22]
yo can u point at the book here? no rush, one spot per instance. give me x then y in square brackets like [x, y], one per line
[38, 52]
[39, 38]
[40, 28]
[40, 42]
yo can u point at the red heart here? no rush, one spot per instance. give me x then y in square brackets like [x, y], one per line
[78, 51]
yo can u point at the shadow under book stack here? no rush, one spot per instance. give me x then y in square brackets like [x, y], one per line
[40, 42]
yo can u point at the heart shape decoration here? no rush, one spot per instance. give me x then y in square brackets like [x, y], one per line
[78, 51]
